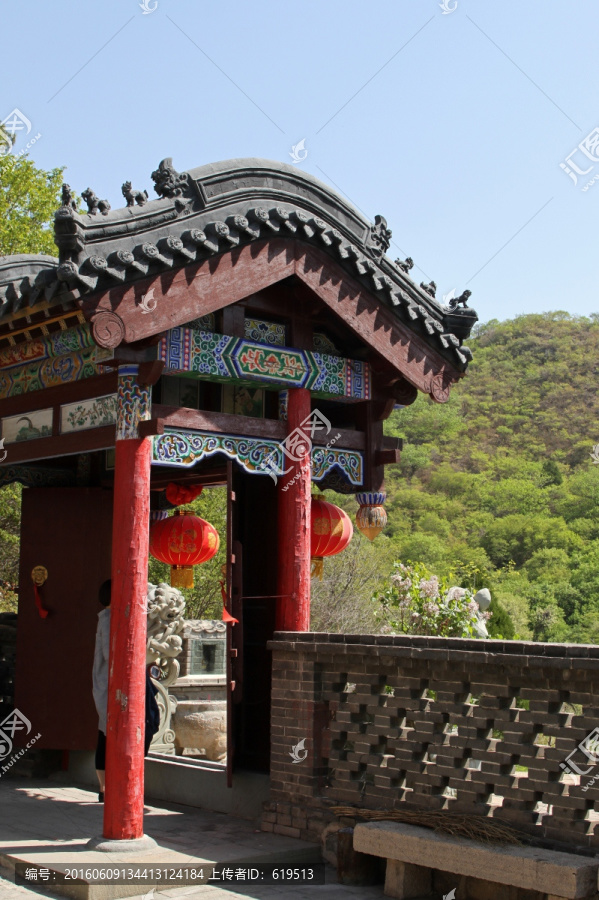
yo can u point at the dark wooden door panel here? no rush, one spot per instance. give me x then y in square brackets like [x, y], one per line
[67, 530]
[255, 530]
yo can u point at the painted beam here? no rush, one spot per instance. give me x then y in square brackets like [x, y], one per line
[59, 343]
[224, 358]
[51, 371]
[258, 456]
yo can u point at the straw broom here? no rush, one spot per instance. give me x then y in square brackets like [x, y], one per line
[474, 828]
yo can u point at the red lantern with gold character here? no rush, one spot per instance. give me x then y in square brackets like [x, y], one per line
[332, 531]
[183, 541]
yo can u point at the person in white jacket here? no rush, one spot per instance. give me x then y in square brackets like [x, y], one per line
[100, 681]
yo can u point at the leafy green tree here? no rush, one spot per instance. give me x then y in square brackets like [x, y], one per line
[501, 625]
[10, 524]
[28, 199]
[341, 602]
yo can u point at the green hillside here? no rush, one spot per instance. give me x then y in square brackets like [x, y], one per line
[499, 484]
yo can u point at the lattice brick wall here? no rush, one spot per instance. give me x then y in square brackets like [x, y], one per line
[468, 726]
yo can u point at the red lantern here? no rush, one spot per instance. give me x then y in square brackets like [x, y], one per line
[183, 540]
[332, 531]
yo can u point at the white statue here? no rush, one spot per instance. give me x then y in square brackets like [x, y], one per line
[483, 598]
[165, 623]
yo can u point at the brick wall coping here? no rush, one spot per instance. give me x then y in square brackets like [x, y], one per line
[468, 649]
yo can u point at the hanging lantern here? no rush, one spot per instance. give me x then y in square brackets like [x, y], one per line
[183, 541]
[332, 531]
[157, 515]
[371, 518]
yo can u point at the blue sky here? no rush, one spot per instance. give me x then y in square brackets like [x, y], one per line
[453, 126]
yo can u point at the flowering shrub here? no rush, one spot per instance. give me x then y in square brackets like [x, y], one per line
[416, 602]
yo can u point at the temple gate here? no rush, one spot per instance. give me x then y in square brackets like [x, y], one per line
[244, 329]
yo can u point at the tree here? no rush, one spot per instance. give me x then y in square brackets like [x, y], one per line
[28, 198]
[341, 601]
[10, 524]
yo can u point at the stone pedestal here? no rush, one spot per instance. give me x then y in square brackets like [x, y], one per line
[201, 725]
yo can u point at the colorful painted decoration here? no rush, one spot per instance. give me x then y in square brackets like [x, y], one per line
[55, 370]
[332, 531]
[322, 344]
[265, 332]
[256, 455]
[203, 323]
[133, 403]
[59, 343]
[348, 462]
[371, 518]
[183, 540]
[223, 358]
[57, 358]
[283, 403]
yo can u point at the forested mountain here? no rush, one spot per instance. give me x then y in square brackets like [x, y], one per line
[499, 484]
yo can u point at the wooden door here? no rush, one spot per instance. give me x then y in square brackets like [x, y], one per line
[69, 531]
[255, 530]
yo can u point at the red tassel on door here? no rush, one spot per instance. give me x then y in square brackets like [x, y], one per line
[227, 617]
[38, 602]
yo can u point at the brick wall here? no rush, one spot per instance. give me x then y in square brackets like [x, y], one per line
[468, 726]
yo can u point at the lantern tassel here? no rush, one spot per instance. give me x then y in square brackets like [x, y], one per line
[317, 568]
[182, 576]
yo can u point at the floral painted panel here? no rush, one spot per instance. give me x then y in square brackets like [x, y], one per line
[88, 414]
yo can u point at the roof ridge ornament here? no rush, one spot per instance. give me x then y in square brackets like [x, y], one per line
[455, 302]
[132, 197]
[94, 206]
[68, 200]
[168, 183]
[380, 237]
[405, 264]
[430, 288]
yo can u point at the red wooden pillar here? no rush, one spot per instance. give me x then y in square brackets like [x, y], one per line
[293, 605]
[124, 794]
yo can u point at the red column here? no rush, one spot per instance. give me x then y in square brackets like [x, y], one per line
[124, 794]
[293, 605]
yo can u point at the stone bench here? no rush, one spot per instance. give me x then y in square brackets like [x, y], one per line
[412, 853]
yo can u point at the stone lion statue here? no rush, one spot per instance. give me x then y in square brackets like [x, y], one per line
[165, 624]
